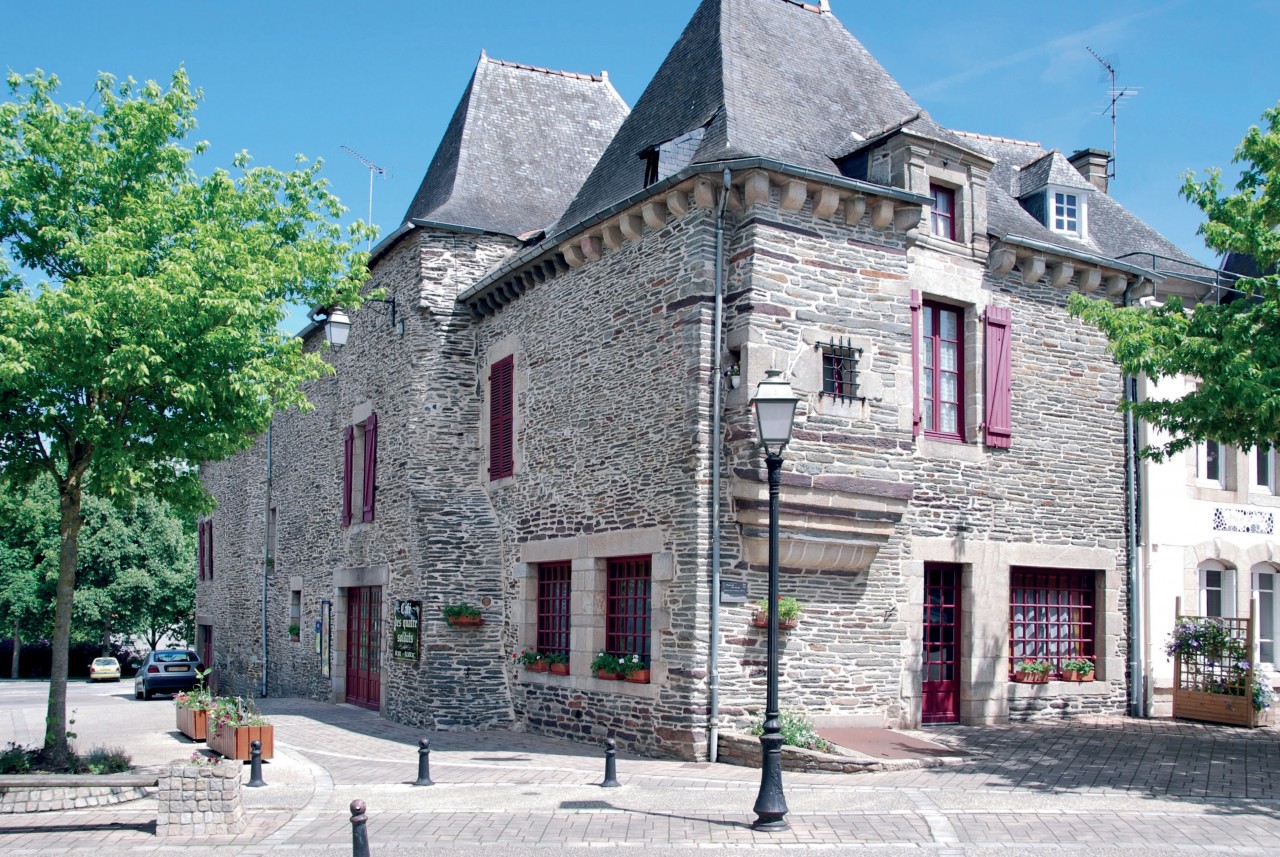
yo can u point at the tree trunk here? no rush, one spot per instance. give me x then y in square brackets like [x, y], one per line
[17, 649]
[57, 750]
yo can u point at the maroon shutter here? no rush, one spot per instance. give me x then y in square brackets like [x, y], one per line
[915, 362]
[208, 546]
[501, 412]
[348, 440]
[998, 371]
[370, 466]
[200, 548]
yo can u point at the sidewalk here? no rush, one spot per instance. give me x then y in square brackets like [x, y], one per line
[1089, 786]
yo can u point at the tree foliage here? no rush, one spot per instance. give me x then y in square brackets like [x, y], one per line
[1230, 348]
[142, 338]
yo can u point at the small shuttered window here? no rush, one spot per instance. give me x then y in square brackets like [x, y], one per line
[348, 447]
[501, 418]
[370, 467]
[998, 377]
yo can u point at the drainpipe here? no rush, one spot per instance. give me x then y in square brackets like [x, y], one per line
[266, 562]
[1137, 583]
[717, 444]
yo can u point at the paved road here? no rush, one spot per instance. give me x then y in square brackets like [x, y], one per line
[1096, 787]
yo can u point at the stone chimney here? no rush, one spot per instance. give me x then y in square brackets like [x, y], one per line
[1092, 164]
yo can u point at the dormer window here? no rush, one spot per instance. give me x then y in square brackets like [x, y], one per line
[942, 220]
[1066, 213]
[672, 156]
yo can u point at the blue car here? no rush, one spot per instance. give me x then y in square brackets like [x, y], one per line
[169, 671]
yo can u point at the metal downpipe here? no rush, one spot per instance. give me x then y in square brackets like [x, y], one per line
[717, 444]
[1137, 587]
[266, 562]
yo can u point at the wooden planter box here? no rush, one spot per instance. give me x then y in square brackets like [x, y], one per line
[465, 621]
[235, 743]
[558, 669]
[639, 677]
[193, 722]
[1216, 708]
[1031, 678]
[537, 667]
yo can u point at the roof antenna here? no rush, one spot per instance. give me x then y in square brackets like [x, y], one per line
[373, 168]
[1116, 94]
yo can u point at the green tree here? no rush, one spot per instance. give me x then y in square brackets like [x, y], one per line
[28, 562]
[152, 343]
[1230, 348]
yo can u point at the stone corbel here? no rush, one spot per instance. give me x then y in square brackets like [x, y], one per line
[1060, 273]
[704, 193]
[854, 208]
[756, 188]
[1001, 260]
[655, 214]
[678, 203]
[632, 227]
[1116, 284]
[1089, 280]
[794, 194]
[1032, 266]
[1144, 289]
[734, 202]
[590, 245]
[612, 236]
[573, 255]
[881, 213]
[906, 217]
[825, 202]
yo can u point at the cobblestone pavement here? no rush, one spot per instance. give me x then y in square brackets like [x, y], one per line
[1090, 787]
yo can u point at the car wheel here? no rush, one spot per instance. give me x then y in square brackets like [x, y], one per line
[137, 694]
[146, 694]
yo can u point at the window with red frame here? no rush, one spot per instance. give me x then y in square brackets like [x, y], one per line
[1051, 616]
[627, 608]
[942, 220]
[942, 370]
[501, 418]
[554, 588]
[204, 549]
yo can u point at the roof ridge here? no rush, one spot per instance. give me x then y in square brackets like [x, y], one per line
[572, 75]
[809, 7]
[996, 139]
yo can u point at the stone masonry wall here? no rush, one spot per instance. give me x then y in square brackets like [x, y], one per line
[200, 800]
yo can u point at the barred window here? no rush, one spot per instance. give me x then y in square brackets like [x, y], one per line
[554, 588]
[627, 618]
[1050, 616]
[840, 370]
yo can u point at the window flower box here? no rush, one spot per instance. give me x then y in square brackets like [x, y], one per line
[761, 620]
[462, 614]
[1028, 671]
[558, 669]
[638, 676]
[536, 667]
[608, 676]
[193, 722]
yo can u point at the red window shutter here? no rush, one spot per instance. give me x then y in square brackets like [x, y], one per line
[915, 362]
[370, 466]
[200, 548]
[998, 375]
[208, 547]
[501, 414]
[348, 440]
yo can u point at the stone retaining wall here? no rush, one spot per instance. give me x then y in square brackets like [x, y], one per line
[744, 750]
[200, 800]
[13, 800]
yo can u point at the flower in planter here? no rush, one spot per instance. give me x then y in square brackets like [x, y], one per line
[628, 664]
[605, 662]
[461, 610]
[198, 698]
[230, 712]
[529, 657]
[788, 608]
[555, 658]
[1033, 667]
[1078, 665]
[1206, 638]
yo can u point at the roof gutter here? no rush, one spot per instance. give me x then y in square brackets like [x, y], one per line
[1091, 258]
[712, 168]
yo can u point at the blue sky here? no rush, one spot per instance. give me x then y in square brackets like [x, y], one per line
[383, 78]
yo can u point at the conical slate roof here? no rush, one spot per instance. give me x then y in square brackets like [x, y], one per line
[518, 147]
[769, 78]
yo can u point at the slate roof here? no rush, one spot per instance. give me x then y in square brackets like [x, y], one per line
[770, 78]
[518, 147]
[1053, 169]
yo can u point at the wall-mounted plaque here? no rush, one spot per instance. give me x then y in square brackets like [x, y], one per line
[733, 591]
[405, 627]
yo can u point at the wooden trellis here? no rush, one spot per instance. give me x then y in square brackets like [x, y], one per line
[1218, 687]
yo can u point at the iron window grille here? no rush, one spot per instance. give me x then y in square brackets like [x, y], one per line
[840, 371]
[1051, 616]
[627, 610]
[554, 588]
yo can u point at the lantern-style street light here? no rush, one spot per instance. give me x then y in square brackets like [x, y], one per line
[775, 406]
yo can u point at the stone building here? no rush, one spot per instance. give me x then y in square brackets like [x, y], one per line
[551, 422]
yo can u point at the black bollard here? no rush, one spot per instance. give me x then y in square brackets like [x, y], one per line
[255, 764]
[359, 835]
[610, 765]
[424, 764]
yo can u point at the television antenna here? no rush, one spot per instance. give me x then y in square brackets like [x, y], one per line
[1117, 93]
[373, 168]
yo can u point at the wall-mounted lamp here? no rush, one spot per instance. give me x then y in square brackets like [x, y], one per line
[390, 302]
[337, 326]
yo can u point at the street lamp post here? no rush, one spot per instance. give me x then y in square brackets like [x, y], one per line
[775, 406]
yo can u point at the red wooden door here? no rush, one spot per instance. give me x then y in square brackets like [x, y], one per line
[940, 667]
[364, 646]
